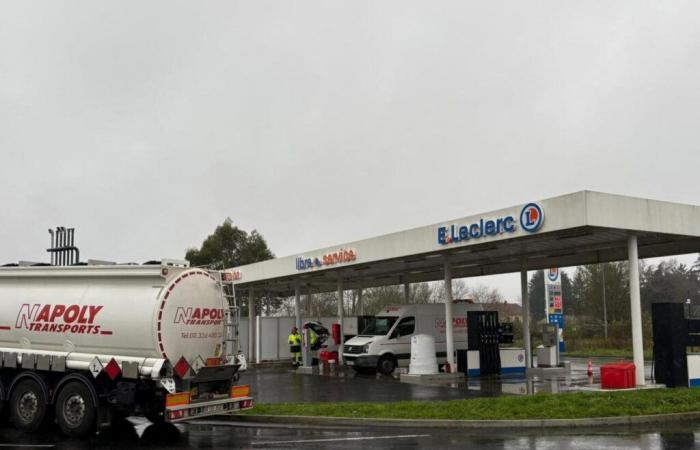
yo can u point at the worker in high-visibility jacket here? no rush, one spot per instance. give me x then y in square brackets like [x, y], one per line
[294, 341]
[313, 344]
[313, 338]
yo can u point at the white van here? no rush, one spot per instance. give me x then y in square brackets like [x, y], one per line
[385, 343]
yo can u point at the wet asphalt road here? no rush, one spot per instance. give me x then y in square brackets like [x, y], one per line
[280, 385]
[220, 434]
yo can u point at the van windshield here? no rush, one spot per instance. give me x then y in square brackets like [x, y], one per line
[379, 326]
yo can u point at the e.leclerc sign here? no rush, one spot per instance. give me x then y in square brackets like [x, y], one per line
[531, 219]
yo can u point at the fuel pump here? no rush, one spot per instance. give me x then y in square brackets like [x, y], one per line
[673, 332]
[484, 334]
[548, 352]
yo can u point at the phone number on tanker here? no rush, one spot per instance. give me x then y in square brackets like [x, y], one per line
[201, 335]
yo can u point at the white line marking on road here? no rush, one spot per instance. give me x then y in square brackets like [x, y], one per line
[258, 424]
[362, 438]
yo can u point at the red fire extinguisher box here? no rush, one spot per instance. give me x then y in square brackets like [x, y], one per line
[618, 376]
[335, 332]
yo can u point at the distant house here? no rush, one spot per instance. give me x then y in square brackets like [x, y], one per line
[507, 312]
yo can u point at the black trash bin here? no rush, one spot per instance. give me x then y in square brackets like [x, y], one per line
[462, 361]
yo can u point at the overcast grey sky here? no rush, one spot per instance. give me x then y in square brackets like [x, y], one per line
[146, 124]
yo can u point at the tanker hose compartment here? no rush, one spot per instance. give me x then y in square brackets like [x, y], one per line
[242, 363]
[235, 360]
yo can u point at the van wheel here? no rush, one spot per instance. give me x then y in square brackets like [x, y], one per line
[75, 410]
[386, 365]
[27, 406]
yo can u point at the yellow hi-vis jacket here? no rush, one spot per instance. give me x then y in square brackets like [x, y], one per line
[313, 337]
[294, 339]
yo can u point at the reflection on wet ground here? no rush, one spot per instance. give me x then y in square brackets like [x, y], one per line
[219, 433]
[123, 434]
[281, 385]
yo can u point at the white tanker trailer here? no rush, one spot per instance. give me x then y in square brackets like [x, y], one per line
[96, 342]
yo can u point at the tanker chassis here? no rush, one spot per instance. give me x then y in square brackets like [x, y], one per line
[84, 345]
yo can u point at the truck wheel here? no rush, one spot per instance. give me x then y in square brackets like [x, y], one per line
[386, 365]
[75, 410]
[2, 400]
[27, 405]
[155, 417]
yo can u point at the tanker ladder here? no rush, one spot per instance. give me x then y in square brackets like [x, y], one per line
[232, 315]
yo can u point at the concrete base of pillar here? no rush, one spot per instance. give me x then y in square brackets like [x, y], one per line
[539, 371]
[598, 388]
[270, 364]
[307, 369]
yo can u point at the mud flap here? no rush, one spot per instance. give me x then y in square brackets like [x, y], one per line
[104, 417]
[215, 373]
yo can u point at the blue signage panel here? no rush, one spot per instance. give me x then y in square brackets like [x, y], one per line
[558, 319]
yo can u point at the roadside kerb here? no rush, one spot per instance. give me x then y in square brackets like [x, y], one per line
[447, 423]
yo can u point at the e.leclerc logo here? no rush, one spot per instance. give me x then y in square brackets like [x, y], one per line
[531, 219]
[553, 274]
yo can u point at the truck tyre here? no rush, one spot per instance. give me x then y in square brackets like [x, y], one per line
[27, 405]
[155, 417]
[2, 400]
[386, 365]
[75, 410]
[154, 412]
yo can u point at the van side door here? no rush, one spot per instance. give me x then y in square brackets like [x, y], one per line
[401, 339]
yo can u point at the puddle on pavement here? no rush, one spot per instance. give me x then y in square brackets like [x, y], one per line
[512, 384]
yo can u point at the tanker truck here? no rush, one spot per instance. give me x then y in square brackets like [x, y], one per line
[85, 344]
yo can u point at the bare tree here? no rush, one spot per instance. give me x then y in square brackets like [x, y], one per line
[484, 294]
[459, 290]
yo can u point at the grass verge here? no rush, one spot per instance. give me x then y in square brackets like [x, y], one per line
[602, 352]
[540, 406]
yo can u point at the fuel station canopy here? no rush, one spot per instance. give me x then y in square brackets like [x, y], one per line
[581, 228]
[575, 229]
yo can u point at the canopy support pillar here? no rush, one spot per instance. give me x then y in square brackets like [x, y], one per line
[526, 313]
[449, 329]
[341, 314]
[251, 324]
[636, 310]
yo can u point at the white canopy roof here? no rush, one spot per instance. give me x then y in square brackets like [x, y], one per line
[580, 228]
